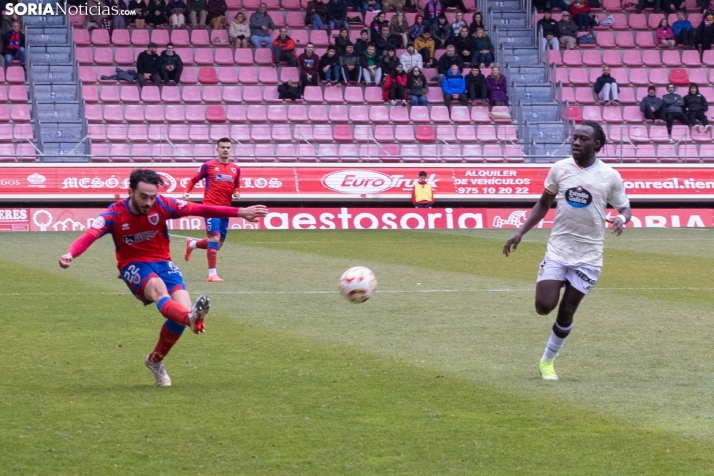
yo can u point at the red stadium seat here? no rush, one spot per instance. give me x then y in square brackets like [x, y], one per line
[318, 114]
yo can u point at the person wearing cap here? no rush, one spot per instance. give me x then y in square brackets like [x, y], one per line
[423, 193]
[651, 106]
[395, 86]
[147, 66]
[568, 31]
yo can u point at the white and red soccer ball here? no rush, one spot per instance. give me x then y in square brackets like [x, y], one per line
[358, 284]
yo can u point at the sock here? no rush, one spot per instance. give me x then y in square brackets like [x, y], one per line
[173, 311]
[169, 335]
[212, 256]
[556, 341]
[200, 244]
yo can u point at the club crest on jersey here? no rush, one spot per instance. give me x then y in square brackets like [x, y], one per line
[233, 170]
[578, 197]
[153, 218]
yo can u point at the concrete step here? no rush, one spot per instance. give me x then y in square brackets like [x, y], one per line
[56, 92]
[538, 93]
[61, 132]
[540, 112]
[53, 55]
[58, 112]
[50, 36]
[50, 73]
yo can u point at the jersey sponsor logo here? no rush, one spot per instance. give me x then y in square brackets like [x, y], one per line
[578, 197]
[153, 218]
[223, 177]
[139, 237]
[585, 278]
[99, 222]
[125, 227]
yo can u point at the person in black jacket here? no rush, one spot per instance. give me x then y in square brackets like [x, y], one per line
[476, 87]
[362, 42]
[447, 59]
[337, 14]
[170, 65]
[673, 105]
[651, 106]
[705, 33]
[385, 41]
[464, 44]
[441, 32]
[330, 67]
[147, 66]
[695, 106]
[606, 88]
[550, 32]
[390, 61]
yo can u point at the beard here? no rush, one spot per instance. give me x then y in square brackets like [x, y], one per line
[140, 210]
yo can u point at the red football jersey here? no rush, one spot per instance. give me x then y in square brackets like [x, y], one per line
[142, 238]
[222, 180]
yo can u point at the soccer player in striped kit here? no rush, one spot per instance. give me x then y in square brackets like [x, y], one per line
[221, 178]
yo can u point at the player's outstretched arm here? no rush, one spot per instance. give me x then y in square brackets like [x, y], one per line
[537, 214]
[617, 224]
[253, 213]
[78, 247]
[66, 260]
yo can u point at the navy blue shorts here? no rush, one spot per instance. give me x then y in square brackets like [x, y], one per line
[215, 226]
[137, 274]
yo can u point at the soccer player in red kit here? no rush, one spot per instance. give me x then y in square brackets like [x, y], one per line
[138, 226]
[221, 178]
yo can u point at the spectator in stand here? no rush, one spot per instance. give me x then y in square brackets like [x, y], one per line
[316, 14]
[707, 6]
[6, 20]
[385, 42]
[425, 46]
[458, 24]
[308, 67]
[96, 19]
[140, 9]
[550, 32]
[457, 4]
[216, 14]
[476, 23]
[284, 49]
[464, 45]
[683, 31]
[453, 85]
[446, 61]
[673, 105]
[341, 41]
[483, 49]
[170, 66]
[156, 14]
[350, 64]
[375, 27]
[239, 31]
[497, 87]
[261, 26]
[399, 28]
[476, 91]
[695, 106]
[423, 193]
[580, 10]
[665, 35]
[387, 5]
[364, 6]
[417, 88]
[147, 66]
[119, 22]
[417, 28]
[197, 13]
[362, 43]
[369, 63]
[705, 33]
[337, 14]
[606, 88]
[330, 67]
[441, 31]
[651, 106]
[432, 10]
[13, 45]
[389, 62]
[395, 86]
[177, 10]
[568, 31]
[657, 4]
[411, 59]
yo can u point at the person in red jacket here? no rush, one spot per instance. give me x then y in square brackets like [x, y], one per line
[580, 10]
[284, 49]
[395, 86]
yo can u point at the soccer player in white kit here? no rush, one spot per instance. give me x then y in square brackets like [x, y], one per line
[583, 186]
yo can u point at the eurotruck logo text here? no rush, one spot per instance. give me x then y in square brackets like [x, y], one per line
[36, 9]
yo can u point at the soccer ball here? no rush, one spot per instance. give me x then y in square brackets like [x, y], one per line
[358, 284]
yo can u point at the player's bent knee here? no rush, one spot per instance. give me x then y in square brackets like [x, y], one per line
[544, 307]
[155, 290]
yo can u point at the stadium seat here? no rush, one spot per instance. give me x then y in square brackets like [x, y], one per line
[353, 95]
[358, 114]
[342, 133]
[659, 77]
[638, 134]
[317, 114]
[81, 37]
[129, 94]
[84, 56]
[591, 58]
[584, 95]
[171, 94]
[652, 58]
[219, 38]
[224, 57]
[228, 76]
[460, 115]
[624, 39]
[313, 95]
[579, 77]
[140, 38]
[638, 21]
[337, 114]
[445, 133]
[399, 115]
[632, 58]
[199, 38]
[248, 75]
[606, 39]
[379, 114]
[96, 132]
[572, 58]
[383, 133]
[373, 95]
[103, 56]
[592, 113]
[671, 58]
[303, 133]
[632, 115]
[268, 75]
[425, 133]
[100, 37]
[612, 58]
[612, 115]
[244, 57]
[174, 113]
[333, 96]
[256, 113]
[363, 133]
[264, 56]
[178, 133]
[124, 57]
[419, 114]
[207, 76]
[480, 115]
[639, 77]
[137, 133]
[93, 112]
[485, 133]
[645, 39]
[678, 76]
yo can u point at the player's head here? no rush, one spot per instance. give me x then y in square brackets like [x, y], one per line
[224, 147]
[143, 189]
[588, 139]
[422, 177]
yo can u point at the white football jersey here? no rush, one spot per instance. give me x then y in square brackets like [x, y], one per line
[580, 219]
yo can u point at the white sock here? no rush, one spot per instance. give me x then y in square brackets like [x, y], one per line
[212, 271]
[192, 244]
[554, 345]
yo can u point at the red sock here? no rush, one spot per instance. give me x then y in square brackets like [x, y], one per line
[167, 339]
[173, 311]
[212, 255]
[202, 244]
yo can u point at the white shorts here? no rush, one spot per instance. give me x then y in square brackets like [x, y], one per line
[582, 277]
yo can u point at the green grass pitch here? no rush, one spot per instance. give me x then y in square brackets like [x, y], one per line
[437, 374]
